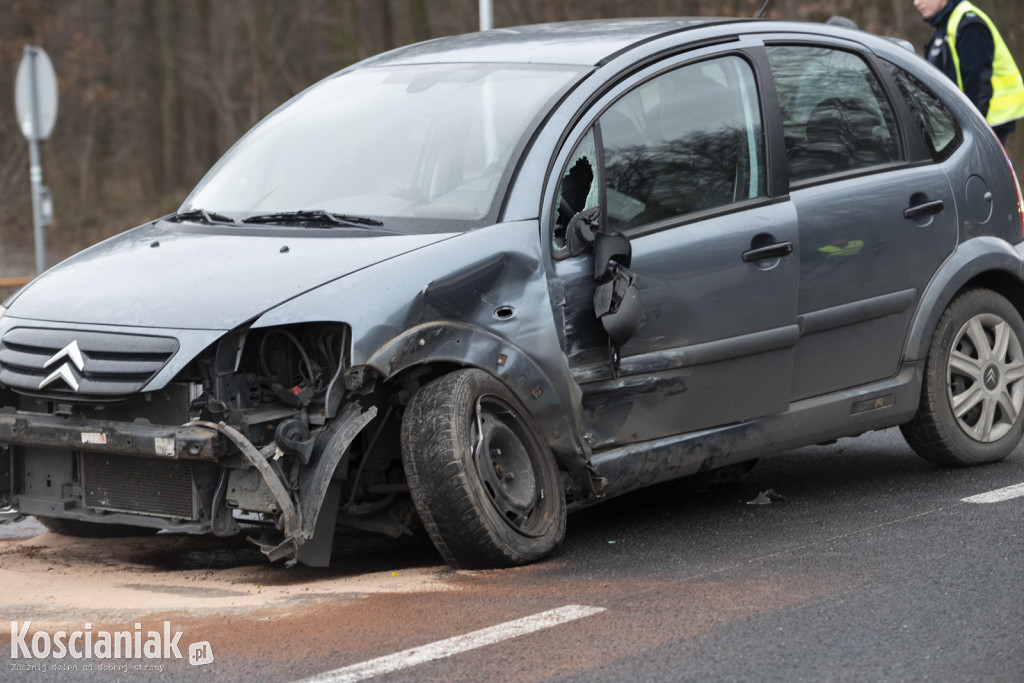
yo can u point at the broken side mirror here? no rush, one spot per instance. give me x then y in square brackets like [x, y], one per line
[617, 305]
[609, 251]
[617, 297]
[582, 230]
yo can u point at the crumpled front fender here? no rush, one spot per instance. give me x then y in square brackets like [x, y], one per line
[480, 299]
[462, 344]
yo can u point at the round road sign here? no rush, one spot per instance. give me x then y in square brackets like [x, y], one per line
[35, 94]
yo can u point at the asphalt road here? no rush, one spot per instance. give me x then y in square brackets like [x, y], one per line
[872, 568]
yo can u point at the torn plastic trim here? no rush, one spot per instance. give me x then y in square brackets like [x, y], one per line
[299, 517]
[314, 480]
[289, 513]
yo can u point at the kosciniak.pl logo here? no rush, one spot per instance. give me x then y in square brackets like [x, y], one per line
[100, 644]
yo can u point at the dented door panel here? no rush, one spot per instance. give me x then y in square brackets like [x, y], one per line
[718, 334]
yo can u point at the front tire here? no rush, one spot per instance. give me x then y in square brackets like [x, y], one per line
[484, 484]
[972, 397]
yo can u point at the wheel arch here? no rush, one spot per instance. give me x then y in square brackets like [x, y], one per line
[984, 262]
[448, 345]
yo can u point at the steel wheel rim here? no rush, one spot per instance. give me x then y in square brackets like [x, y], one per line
[984, 378]
[510, 471]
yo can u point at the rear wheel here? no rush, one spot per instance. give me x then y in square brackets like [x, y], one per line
[972, 397]
[80, 529]
[485, 486]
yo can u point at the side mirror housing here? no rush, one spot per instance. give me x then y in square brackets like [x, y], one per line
[582, 230]
[608, 251]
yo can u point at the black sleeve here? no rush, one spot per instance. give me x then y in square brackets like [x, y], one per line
[976, 50]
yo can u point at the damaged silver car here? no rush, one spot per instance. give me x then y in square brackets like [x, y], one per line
[474, 283]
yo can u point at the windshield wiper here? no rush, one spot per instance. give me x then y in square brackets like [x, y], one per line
[318, 217]
[202, 215]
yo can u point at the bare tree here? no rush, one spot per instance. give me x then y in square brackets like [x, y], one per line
[154, 91]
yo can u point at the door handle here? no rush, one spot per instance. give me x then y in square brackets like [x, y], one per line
[777, 250]
[926, 209]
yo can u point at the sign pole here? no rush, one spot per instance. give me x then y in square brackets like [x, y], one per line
[35, 174]
[486, 15]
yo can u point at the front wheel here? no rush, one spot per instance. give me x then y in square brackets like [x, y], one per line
[484, 484]
[972, 396]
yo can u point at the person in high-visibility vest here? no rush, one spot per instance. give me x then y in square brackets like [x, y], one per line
[968, 48]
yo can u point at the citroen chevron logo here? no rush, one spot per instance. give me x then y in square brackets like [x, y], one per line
[991, 378]
[64, 372]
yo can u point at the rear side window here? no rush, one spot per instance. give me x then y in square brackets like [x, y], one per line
[941, 132]
[835, 112]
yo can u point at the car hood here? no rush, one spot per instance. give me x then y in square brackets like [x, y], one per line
[173, 275]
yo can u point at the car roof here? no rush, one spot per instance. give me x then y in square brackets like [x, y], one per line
[581, 43]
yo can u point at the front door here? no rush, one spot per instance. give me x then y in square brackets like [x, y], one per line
[677, 164]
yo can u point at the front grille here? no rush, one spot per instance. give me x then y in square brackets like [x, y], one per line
[123, 483]
[112, 365]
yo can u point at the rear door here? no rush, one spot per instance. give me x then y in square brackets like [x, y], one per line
[874, 227]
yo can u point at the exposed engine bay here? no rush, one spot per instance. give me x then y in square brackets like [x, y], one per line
[246, 439]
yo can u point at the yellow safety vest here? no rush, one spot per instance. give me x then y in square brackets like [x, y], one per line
[1007, 103]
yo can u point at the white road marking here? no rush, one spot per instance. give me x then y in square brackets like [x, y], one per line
[997, 496]
[453, 646]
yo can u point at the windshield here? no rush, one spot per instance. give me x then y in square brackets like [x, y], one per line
[427, 142]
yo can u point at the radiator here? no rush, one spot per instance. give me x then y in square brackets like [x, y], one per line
[122, 483]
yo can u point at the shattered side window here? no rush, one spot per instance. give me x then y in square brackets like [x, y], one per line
[687, 141]
[578, 190]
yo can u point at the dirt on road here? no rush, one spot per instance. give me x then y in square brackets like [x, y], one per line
[47, 576]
